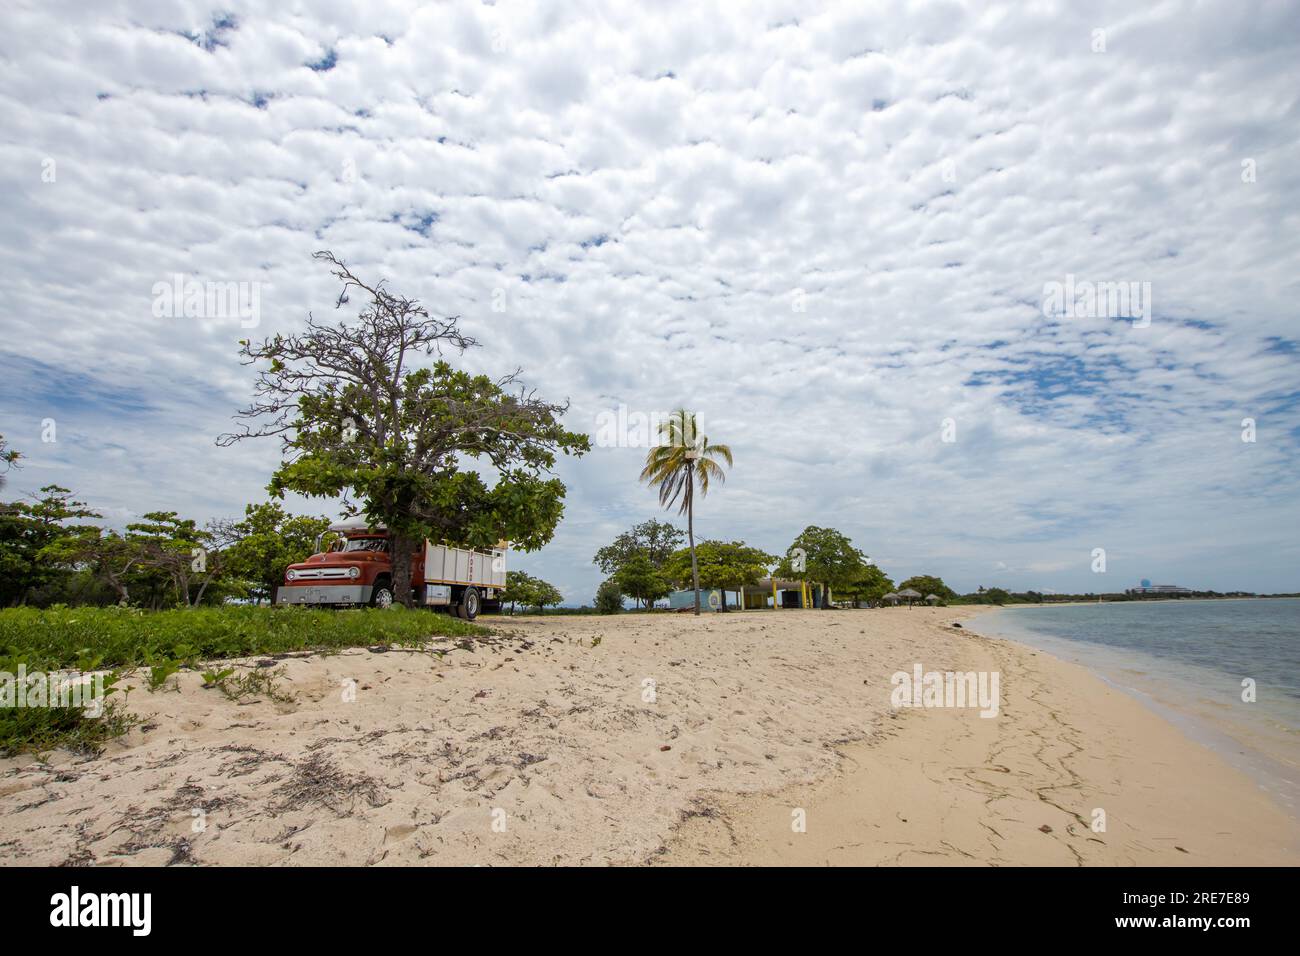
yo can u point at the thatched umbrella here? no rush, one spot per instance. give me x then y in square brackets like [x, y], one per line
[932, 599]
[909, 593]
[891, 597]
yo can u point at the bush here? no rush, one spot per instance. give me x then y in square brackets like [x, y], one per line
[87, 638]
[609, 599]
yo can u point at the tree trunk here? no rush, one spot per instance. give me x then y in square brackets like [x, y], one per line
[723, 592]
[400, 555]
[690, 533]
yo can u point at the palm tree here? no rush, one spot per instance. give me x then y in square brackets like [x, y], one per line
[682, 456]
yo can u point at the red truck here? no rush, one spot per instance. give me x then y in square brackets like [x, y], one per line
[357, 569]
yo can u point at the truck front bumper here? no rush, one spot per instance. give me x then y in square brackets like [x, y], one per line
[323, 594]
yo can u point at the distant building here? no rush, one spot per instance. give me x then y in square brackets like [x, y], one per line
[1159, 590]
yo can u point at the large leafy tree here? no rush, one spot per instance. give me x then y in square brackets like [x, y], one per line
[177, 549]
[635, 559]
[425, 450]
[641, 580]
[521, 588]
[723, 564]
[34, 540]
[262, 545]
[927, 584]
[609, 598]
[829, 558]
[868, 584]
[656, 539]
[683, 458]
[524, 589]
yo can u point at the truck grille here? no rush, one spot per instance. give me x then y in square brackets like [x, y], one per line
[321, 574]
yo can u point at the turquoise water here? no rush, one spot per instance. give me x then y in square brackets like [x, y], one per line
[1187, 660]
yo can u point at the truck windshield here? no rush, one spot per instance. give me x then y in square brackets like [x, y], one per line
[366, 544]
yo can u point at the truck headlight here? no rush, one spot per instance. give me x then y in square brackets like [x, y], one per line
[354, 572]
[291, 575]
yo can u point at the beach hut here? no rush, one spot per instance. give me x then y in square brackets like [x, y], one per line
[932, 599]
[909, 593]
[891, 597]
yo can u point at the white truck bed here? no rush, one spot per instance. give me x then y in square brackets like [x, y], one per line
[445, 565]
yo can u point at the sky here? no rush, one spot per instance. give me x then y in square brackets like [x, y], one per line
[853, 238]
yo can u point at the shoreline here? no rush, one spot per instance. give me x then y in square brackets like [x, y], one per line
[1262, 745]
[638, 739]
[935, 793]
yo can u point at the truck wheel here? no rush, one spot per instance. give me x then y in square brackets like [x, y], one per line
[468, 607]
[382, 595]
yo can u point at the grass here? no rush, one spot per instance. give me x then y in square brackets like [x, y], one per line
[95, 638]
[118, 639]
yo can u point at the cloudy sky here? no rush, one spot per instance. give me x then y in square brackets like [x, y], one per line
[831, 230]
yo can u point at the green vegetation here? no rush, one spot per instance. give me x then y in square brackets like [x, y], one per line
[42, 729]
[266, 542]
[609, 598]
[722, 565]
[358, 415]
[95, 638]
[868, 583]
[52, 553]
[635, 560]
[115, 639]
[524, 590]
[927, 584]
[685, 457]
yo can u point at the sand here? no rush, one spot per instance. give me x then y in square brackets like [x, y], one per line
[646, 739]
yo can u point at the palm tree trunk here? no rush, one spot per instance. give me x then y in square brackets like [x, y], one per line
[690, 533]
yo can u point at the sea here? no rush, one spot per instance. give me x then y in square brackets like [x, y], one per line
[1189, 660]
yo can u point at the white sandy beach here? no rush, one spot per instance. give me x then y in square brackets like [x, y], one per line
[536, 747]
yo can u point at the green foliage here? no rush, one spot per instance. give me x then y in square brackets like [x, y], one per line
[527, 591]
[928, 584]
[42, 729]
[8, 459]
[218, 677]
[830, 558]
[996, 596]
[62, 637]
[252, 683]
[35, 540]
[521, 588]
[683, 458]
[869, 584]
[358, 416]
[160, 672]
[267, 541]
[609, 598]
[639, 579]
[722, 564]
[654, 539]
[636, 559]
[547, 595]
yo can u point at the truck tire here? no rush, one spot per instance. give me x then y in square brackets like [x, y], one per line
[381, 595]
[470, 604]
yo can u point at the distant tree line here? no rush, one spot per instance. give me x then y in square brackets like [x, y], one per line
[54, 551]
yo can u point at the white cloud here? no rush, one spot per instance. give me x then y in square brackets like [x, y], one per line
[649, 190]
